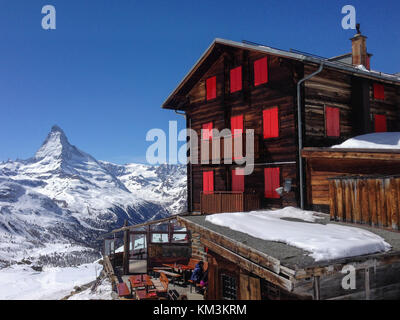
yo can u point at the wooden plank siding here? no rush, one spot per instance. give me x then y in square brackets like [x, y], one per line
[323, 164]
[366, 194]
[328, 89]
[352, 94]
[249, 102]
[390, 106]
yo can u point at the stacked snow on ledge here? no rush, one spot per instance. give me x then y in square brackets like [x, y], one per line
[324, 242]
[385, 140]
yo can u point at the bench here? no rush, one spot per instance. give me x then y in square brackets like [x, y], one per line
[123, 290]
[172, 275]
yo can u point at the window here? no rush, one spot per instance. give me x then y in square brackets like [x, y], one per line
[211, 88]
[159, 238]
[380, 123]
[332, 122]
[272, 182]
[237, 131]
[208, 181]
[229, 287]
[236, 79]
[207, 131]
[271, 123]
[260, 71]
[238, 180]
[379, 91]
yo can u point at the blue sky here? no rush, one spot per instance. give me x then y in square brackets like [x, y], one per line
[103, 74]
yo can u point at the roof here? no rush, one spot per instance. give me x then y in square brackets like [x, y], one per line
[287, 256]
[336, 153]
[174, 102]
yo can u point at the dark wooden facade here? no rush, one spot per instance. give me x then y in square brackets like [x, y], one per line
[347, 91]
[323, 164]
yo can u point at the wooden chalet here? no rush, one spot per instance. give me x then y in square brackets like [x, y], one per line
[249, 86]
[293, 101]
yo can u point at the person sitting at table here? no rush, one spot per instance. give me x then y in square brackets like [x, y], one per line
[198, 273]
[204, 282]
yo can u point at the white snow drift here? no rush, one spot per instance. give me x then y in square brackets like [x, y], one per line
[384, 140]
[324, 242]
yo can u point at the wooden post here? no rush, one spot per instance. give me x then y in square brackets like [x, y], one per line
[126, 250]
[394, 207]
[332, 199]
[339, 200]
[372, 201]
[317, 295]
[367, 285]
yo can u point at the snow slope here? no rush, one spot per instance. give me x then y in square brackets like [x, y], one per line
[63, 195]
[384, 140]
[21, 282]
[324, 242]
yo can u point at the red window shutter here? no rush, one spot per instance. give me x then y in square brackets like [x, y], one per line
[237, 124]
[207, 131]
[236, 79]
[211, 88]
[260, 71]
[380, 123]
[208, 181]
[332, 121]
[271, 123]
[237, 131]
[379, 91]
[272, 182]
[238, 180]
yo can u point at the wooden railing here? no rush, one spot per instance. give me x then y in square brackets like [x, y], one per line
[228, 201]
[368, 200]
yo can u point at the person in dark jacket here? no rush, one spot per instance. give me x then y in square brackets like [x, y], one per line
[198, 272]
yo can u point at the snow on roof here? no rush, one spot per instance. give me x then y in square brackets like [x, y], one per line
[324, 242]
[385, 140]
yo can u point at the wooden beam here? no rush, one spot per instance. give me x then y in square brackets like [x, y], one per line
[241, 249]
[323, 153]
[249, 266]
[142, 224]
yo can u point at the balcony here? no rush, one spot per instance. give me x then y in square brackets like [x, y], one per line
[228, 201]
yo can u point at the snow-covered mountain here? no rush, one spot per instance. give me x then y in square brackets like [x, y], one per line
[65, 196]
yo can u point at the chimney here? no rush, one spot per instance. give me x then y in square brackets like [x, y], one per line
[359, 49]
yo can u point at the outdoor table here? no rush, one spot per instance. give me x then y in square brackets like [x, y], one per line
[144, 295]
[181, 268]
[140, 281]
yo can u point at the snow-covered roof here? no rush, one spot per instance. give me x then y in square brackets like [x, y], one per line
[322, 241]
[384, 140]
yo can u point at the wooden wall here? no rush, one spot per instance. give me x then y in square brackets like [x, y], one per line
[331, 88]
[389, 107]
[251, 101]
[320, 168]
[328, 89]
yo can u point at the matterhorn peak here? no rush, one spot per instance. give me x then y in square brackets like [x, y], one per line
[56, 145]
[56, 128]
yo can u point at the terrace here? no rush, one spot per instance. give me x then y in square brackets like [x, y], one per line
[151, 261]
